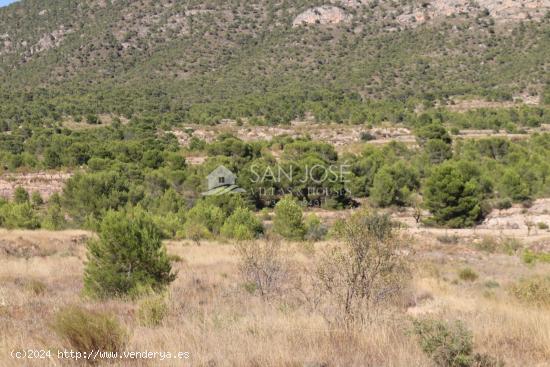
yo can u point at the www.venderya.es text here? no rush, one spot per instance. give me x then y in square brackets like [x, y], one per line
[97, 355]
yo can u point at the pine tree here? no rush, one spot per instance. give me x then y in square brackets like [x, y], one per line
[288, 221]
[128, 258]
[453, 197]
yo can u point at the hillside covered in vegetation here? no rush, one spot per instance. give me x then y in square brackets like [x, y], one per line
[275, 61]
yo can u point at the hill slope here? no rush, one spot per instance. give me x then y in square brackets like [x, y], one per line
[205, 60]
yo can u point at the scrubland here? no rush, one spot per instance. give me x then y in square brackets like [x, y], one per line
[212, 313]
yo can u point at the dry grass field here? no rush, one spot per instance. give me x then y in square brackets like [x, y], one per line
[213, 316]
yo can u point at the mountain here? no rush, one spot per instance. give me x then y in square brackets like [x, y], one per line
[205, 60]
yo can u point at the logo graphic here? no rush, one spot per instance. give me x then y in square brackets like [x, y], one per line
[221, 181]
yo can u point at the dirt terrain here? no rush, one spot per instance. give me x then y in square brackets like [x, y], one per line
[45, 183]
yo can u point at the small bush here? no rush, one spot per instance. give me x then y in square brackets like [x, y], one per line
[264, 266]
[503, 204]
[491, 284]
[368, 270]
[504, 245]
[367, 136]
[169, 223]
[448, 240]
[288, 221]
[152, 311]
[530, 257]
[195, 232]
[36, 287]
[534, 291]
[450, 344]
[93, 119]
[54, 219]
[468, 275]
[86, 330]
[204, 220]
[20, 195]
[542, 226]
[315, 230]
[242, 225]
[36, 199]
[510, 245]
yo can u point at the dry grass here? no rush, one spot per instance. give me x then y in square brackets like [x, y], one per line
[212, 316]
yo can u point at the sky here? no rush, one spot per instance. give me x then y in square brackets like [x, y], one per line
[6, 2]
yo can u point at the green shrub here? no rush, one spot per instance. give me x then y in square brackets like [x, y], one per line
[242, 225]
[203, 220]
[128, 258]
[152, 311]
[542, 226]
[54, 219]
[438, 151]
[384, 189]
[530, 257]
[92, 119]
[19, 216]
[393, 185]
[91, 194]
[315, 230]
[503, 245]
[20, 195]
[36, 199]
[514, 185]
[169, 223]
[336, 229]
[468, 275]
[450, 344]
[534, 291]
[367, 136]
[85, 330]
[288, 221]
[195, 232]
[503, 204]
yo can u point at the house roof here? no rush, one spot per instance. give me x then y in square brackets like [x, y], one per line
[221, 171]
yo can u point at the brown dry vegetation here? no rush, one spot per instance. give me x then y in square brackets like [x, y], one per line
[213, 316]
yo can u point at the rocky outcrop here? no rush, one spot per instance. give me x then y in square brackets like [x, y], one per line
[326, 14]
[5, 44]
[50, 40]
[499, 10]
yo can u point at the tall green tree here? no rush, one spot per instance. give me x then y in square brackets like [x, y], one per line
[454, 195]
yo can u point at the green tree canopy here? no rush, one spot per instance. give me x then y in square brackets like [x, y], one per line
[128, 258]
